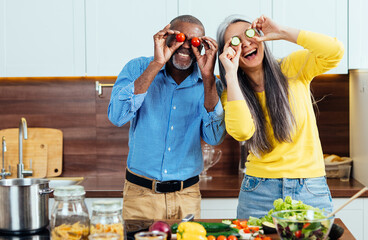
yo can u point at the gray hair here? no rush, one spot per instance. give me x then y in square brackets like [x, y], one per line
[277, 94]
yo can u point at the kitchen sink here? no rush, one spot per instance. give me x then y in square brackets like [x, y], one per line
[64, 181]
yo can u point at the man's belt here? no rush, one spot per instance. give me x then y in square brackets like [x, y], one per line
[160, 187]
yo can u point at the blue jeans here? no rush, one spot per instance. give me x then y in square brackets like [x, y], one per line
[257, 195]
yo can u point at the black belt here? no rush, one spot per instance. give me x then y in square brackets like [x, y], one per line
[160, 187]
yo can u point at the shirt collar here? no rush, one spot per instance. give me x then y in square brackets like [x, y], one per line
[191, 79]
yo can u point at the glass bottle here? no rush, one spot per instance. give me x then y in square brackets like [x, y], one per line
[69, 215]
[107, 217]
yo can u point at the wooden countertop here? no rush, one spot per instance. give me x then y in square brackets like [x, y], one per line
[218, 187]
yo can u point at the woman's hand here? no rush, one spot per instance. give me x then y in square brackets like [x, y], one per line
[230, 58]
[162, 52]
[273, 31]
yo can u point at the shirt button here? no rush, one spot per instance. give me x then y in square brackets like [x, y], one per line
[174, 107]
[169, 149]
[172, 127]
[165, 171]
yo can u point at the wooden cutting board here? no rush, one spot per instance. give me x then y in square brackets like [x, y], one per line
[34, 150]
[52, 138]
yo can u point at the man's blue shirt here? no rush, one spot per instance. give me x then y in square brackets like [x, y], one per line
[166, 123]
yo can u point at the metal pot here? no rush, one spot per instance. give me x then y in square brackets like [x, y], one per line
[24, 205]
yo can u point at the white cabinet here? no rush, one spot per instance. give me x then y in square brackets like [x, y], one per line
[98, 37]
[118, 31]
[353, 215]
[358, 34]
[42, 38]
[329, 17]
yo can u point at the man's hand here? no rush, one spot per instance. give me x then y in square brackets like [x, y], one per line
[206, 64]
[162, 52]
[207, 61]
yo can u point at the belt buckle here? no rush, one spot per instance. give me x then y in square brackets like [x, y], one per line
[168, 183]
[156, 191]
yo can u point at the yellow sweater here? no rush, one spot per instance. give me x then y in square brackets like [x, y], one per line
[303, 157]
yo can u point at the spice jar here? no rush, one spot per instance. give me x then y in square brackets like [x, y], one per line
[107, 217]
[69, 215]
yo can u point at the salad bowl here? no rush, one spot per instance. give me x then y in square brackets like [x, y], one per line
[302, 224]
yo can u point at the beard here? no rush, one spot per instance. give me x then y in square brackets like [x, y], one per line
[182, 65]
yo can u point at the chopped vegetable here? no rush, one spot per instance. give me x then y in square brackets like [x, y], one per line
[250, 32]
[235, 41]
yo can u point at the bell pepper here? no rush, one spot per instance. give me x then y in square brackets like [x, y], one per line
[191, 231]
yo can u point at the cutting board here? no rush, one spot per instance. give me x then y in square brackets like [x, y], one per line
[34, 150]
[50, 137]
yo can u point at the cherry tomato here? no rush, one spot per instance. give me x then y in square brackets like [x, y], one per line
[232, 237]
[243, 224]
[196, 42]
[267, 238]
[180, 37]
[211, 237]
[221, 237]
[298, 234]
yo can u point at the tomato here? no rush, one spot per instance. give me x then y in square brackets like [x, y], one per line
[306, 225]
[180, 37]
[232, 237]
[267, 238]
[257, 238]
[298, 234]
[211, 237]
[196, 42]
[221, 237]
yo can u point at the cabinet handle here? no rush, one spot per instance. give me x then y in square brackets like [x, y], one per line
[100, 85]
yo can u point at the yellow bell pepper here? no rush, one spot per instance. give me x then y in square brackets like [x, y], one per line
[191, 231]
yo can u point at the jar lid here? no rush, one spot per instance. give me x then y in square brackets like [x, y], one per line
[107, 205]
[69, 191]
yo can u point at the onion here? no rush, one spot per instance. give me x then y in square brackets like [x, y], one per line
[162, 227]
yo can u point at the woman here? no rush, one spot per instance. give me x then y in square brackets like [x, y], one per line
[268, 104]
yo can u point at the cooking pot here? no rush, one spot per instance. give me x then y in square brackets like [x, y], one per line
[24, 205]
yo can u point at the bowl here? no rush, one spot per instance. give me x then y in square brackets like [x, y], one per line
[302, 224]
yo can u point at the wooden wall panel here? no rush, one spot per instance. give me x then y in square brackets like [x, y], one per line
[93, 146]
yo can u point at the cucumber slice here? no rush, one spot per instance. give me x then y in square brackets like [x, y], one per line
[250, 33]
[235, 41]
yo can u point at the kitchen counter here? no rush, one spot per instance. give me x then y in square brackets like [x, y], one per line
[218, 187]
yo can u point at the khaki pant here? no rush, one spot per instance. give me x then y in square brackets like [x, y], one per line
[143, 203]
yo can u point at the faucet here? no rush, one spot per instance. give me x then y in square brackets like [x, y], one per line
[22, 134]
[3, 173]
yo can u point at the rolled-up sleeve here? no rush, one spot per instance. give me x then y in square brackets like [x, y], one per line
[213, 128]
[123, 102]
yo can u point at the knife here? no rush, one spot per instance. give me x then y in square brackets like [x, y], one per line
[188, 218]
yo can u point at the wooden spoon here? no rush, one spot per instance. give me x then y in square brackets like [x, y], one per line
[348, 201]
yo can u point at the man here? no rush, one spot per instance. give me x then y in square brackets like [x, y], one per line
[171, 101]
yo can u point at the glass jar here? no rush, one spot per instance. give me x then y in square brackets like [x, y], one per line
[107, 217]
[69, 215]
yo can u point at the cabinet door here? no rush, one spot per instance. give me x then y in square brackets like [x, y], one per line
[118, 31]
[41, 38]
[358, 34]
[213, 12]
[328, 17]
